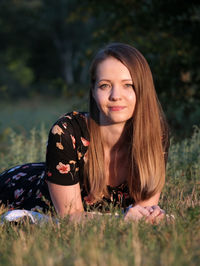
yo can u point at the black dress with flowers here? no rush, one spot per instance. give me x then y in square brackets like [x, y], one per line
[25, 186]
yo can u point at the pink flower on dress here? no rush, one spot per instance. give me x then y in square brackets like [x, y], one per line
[49, 173]
[85, 142]
[38, 194]
[25, 166]
[30, 193]
[85, 158]
[7, 180]
[89, 200]
[68, 116]
[79, 155]
[73, 141]
[72, 162]
[57, 130]
[18, 193]
[19, 202]
[31, 178]
[59, 145]
[63, 168]
[64, 125]
[17, 177]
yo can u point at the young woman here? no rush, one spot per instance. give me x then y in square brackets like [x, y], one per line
[114, 155]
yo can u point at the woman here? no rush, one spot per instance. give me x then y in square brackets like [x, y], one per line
[115, 155]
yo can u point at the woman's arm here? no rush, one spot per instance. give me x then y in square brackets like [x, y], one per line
[62, 164]
[66, 199]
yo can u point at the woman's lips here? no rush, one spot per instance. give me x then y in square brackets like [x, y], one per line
[116, 108]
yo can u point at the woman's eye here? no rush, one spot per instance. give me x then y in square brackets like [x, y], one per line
[129, 85]
[104, 86]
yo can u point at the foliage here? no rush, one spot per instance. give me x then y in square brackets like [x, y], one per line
[46, 47]
[166, 32]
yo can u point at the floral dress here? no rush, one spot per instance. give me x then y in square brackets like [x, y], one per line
[25, 186]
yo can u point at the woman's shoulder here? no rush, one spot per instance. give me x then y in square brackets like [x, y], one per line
[71, 119]
[74, 123]
[73, 116]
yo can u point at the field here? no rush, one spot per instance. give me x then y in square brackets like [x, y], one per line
[104, 240]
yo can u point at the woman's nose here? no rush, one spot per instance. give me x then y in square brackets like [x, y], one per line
[115, 93]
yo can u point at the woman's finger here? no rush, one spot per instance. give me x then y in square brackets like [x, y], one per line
[159, 218]
[149, 208]
[133, 215]
[143, 211]
[136, 213]
[157, 215]
[156, 211]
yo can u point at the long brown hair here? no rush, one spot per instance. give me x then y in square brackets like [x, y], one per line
[146, 174]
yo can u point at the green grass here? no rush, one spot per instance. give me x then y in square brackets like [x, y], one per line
[109, 240]
[23, 115]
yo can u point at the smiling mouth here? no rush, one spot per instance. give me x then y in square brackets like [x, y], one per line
[116, 108]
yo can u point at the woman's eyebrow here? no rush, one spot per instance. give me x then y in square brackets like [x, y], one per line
[109, 80]
[103, 80]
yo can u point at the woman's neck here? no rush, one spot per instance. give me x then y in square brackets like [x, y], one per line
[113, 136]
[116, 137]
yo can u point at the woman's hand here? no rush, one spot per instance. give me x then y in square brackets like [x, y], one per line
[156, 214]
[136, 213]
[151, 214]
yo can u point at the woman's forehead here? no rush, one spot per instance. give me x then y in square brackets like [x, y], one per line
[111, 68]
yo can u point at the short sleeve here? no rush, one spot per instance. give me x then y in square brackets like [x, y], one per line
[61, 158]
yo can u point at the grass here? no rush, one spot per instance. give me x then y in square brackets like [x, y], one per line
[109, 240]
[23, 115]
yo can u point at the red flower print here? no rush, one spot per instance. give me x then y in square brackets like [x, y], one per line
[25, 166]
[18, 192]
[57, 130]
[72, 161]
[31, 178]
[120, 196]
[19, 202]
[59, 146]
[64, 124]
[85, 158]
[38, 194]
[73, 141]
[49, 173]
[29, 193]
[79, 155]
[17, 177]
[85, 142]
[7, 180]
[89, 200]
[68, 116]
[126, 195]
[63, 168]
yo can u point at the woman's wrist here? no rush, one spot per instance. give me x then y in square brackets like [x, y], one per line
[127, 209]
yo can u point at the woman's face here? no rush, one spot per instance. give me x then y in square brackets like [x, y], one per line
[114, 92]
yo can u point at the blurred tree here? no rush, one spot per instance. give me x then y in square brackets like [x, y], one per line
[51, 42]
[50, 32]
[167, 33]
